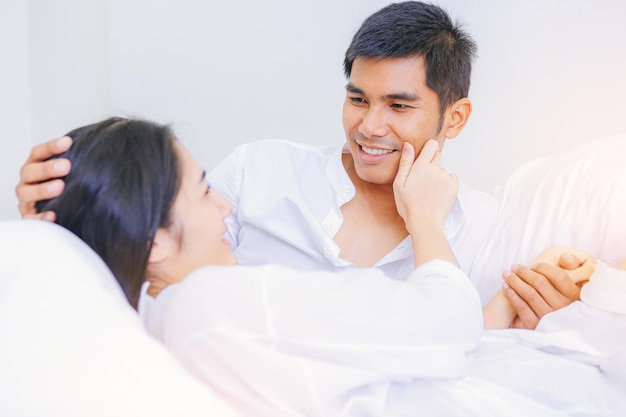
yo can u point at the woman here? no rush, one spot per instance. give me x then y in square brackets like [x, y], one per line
[139, 199]
[123, 196]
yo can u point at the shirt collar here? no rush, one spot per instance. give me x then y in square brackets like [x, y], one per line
[337, 175]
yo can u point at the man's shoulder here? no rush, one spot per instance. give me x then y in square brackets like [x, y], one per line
[469, 196]
[270, 162]
[477, 204]
[280, 155]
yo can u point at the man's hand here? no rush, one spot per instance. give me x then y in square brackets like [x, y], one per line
[546, 286]
[38, 177]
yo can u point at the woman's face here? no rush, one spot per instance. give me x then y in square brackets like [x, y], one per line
[196, 236]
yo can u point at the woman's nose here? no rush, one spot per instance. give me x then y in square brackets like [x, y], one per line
[225, 207]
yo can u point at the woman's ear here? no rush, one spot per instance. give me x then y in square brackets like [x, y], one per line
[457, 116]
[159, 261]
[161, 246]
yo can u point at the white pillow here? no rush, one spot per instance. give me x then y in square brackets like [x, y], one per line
[577, 198]
[70, 344]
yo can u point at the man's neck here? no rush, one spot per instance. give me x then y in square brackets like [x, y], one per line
[372, 226]
[379, 198]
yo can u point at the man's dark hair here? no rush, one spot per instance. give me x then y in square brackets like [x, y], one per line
[125, 176]
[412, 29]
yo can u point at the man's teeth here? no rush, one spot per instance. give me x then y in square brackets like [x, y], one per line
[371, 151]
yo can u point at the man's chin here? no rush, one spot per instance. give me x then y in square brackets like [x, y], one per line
[375, 176]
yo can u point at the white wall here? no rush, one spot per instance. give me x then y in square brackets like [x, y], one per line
[69, 77]
[15, 120]
[54, 77]
[549, 74]
[233, 72]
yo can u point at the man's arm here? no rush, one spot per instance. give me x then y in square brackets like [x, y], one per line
[39, 177]
[541, 289]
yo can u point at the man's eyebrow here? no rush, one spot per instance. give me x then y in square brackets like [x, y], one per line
[402, 95]
[350, 88]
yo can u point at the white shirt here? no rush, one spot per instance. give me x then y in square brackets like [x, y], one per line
[275, 341]
[287, 200]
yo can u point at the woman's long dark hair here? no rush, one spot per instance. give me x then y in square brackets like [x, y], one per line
[124, 178]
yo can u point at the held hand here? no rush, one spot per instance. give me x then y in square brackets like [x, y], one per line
[38, 177]
[547, 286]
[579, 265]
[423, 190]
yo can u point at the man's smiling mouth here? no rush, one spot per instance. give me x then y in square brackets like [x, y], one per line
[372, 151]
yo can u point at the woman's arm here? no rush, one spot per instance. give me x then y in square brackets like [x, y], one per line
[307, 339]
[424, 194]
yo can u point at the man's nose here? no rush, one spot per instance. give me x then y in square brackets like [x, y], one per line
[373, 123]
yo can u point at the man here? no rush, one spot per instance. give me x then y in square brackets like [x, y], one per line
[408, 69]
[334, 208]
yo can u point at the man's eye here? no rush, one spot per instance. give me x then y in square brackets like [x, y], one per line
[400, 106]
[356, 100]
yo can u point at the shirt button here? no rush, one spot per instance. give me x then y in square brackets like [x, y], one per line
[327, 253]
[347, 189]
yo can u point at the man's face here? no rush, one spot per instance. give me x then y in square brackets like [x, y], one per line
[388, 103]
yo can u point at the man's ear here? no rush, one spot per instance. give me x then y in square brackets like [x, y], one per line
[161, 246]
[456, 118]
